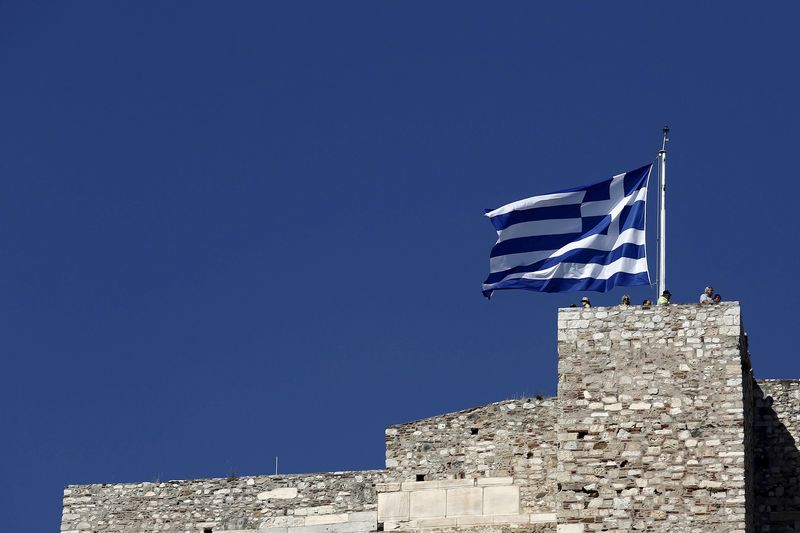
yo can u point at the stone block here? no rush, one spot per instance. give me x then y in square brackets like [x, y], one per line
[436, 522]
[428, 503]
[363, 516]
[313, 510]
[473, 520]
[437, 484]
[570, 528]
[511, 519]
[495, 481]
[465, 501]
[284, 493]
[344, 527]
[393, 506]
[538, 518]
[326, 519]
[272, 530]
[502, 500]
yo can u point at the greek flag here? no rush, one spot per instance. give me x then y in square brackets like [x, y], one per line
[583, 239]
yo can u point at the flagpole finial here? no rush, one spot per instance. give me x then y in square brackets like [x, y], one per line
[665, 129]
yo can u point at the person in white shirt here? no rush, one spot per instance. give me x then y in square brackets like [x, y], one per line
[708, 296]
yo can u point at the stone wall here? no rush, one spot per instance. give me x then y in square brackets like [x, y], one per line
[454, 503]
[776, 455]
[514, 438]
[651, 419]
[344, 502]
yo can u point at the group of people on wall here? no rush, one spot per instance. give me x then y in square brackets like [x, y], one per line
[707, 298]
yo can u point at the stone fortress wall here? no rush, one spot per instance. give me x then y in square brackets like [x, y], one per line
[776, 457]
[658, 426]
[514, 438]
[651, 419]
[300, 503]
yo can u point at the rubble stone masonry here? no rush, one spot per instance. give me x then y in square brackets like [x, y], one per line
[776, 456]
[514, 438]
[651, 419]
[302, 503]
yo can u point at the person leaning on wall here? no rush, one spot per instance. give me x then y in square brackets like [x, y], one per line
[707, 296]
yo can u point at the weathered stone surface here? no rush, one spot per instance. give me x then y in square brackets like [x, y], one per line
[499, 500]
[491, 443]
[465, 501]
[669, 454]
[244, 503]
[393, 506]
[428, 503]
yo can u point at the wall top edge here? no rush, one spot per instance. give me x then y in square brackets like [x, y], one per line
[525, 403]
[654, 308]
[237, 480]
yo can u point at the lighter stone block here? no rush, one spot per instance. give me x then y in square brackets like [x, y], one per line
[345, 527]
[511, 519]
[537, 518]
[326, 519]
[437, 484]
[570, 528]
[428, 503]
[473, 520]
[495, 480]
[285, 493]
[272, 530]
[465, 502]
[436, 522]
[503, 500]
[363, 516]
[393, 506]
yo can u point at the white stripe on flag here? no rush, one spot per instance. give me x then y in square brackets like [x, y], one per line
[545, 200]
[541, 227]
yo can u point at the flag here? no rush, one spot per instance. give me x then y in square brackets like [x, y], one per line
[583, 239]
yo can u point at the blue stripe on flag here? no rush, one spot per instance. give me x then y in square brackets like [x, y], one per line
[632, 216]
[595, 225]
[534, 243]
[636, 179]
[579, 255]
[568, 285]
[552, 212]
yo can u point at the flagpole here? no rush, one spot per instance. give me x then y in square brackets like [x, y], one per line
[662, 187]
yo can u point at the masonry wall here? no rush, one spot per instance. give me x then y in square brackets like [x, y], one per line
[776, 455]
[651, 419]
[514, 438]
[345, 502]
[486, 503]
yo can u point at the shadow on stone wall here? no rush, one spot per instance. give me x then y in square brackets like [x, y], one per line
[777, 469]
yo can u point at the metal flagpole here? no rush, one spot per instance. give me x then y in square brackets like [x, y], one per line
[662, 239]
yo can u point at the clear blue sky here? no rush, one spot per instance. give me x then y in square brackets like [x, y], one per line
[230, 231]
